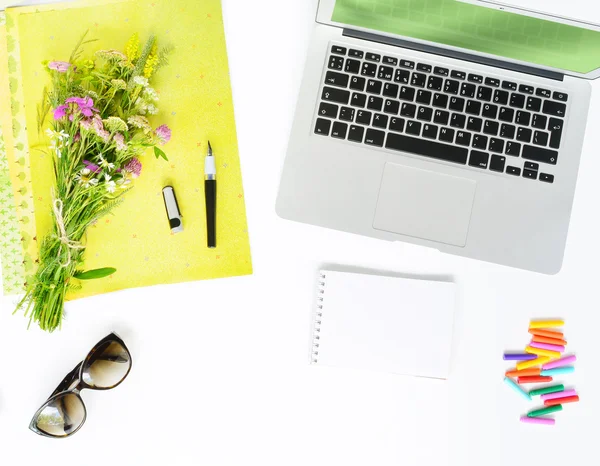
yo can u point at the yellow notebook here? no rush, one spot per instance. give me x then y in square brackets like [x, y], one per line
[196, 103]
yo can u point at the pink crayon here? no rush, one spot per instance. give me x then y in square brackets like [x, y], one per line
[546, 346]
[560, 362]
[538, 420]
[552, 396]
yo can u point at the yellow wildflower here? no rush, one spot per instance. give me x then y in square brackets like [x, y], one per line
[132, 49]
[151, 62]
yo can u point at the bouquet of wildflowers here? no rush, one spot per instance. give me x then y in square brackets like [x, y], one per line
[96, 116]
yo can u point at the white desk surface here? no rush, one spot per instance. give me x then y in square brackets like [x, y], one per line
[220, 373]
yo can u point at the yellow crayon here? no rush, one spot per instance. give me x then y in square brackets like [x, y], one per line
[546, 323]
[534, 362]
[543, 352]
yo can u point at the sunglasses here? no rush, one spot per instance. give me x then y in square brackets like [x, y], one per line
[105, 367]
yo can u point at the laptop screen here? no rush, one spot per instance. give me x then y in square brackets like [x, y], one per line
[453, 23]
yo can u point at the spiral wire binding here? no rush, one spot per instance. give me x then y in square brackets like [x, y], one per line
[318, 316]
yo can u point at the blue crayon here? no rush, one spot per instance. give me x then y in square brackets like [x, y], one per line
[511, 383]
[519, 356]
[559, 371]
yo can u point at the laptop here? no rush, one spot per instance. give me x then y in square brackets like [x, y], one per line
[442, 124]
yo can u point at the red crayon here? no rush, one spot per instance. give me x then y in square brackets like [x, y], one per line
[534, 379]
[560, 401]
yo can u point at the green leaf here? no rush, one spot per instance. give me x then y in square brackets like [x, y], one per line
[94, 274]
[159, 153]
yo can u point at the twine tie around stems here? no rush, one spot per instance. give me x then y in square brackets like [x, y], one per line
[62, 236]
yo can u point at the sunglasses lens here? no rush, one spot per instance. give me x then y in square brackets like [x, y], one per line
[108, 365]
[62, 416]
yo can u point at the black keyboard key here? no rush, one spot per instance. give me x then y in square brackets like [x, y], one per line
[473, 107]
[507, 131]
[530, 174]
[402, 76]
[490, 111]
[425, 114]
[352, 66]
[523, 118]
[427, 148]
[392, 107]
[407, 93]
[347, 114]
[358, 100]
[491, 127]
[434, 83]
[423, 67]
[414, 128]
[497, 164]
[451, 86]
[441, 71]
[440, 100]
[390, 90]
[500, 97]
[459, 75]
[532, 166]
[513, 171]
[496, 145]
[430, 131]
[335, 95]
[554, 108]
[336, 63]
[328, 110]
[357, 83]
[375, 103]
[423, 97]
[479, 159]
[441, 117]
[546, 178]
[509, 85]
[336, 79]
[543, 93]
[369, 69]
[408, 110]
[475, 78]
[363, 117]
[373, 57]
[418, 80]
[463, 138]
[457, 104]
[533, 104]
[407, 64]
[390, 61]
[480, 142]
[526, 89]
[447, 135]
[323, 126]
[474, 124]
[380, 121]
[374, 87]
[524, 135]
[338, 50]
[539, 121]
[556, 129]
[513, 149]
[492, 82]
[506, 114]
[560, 96]
[468, 90]
[356, 133]
[540, 138]
[539, 154]
[356, 53]
[517, 100]
[339, 130]
[485, 93]
[458, 120]
[397, 124]
[375, 137]
[386, 73]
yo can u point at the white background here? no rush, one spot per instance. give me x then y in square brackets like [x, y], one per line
[221, 374]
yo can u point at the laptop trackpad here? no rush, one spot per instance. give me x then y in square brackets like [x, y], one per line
[425, 204]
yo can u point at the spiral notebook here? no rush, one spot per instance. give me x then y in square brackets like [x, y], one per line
[381, 323]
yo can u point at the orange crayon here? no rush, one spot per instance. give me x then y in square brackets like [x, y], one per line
[546, 333]
[534, 371]
[550, 341]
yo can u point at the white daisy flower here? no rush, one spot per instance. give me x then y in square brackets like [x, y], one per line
[105, 163]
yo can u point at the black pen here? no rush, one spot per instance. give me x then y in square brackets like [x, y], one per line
[210, 194]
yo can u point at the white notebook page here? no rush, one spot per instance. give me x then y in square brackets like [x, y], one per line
[387, 324]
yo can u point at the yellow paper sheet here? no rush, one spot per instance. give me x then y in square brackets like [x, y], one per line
[196, 103]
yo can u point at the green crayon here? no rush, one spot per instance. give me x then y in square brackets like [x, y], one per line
[544, 391]
[548, 410]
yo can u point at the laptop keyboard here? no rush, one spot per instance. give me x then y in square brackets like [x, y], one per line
[445, 114]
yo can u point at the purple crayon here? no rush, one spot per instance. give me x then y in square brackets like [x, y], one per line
[519, 356]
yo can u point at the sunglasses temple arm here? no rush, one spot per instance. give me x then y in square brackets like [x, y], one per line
[68, 380]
